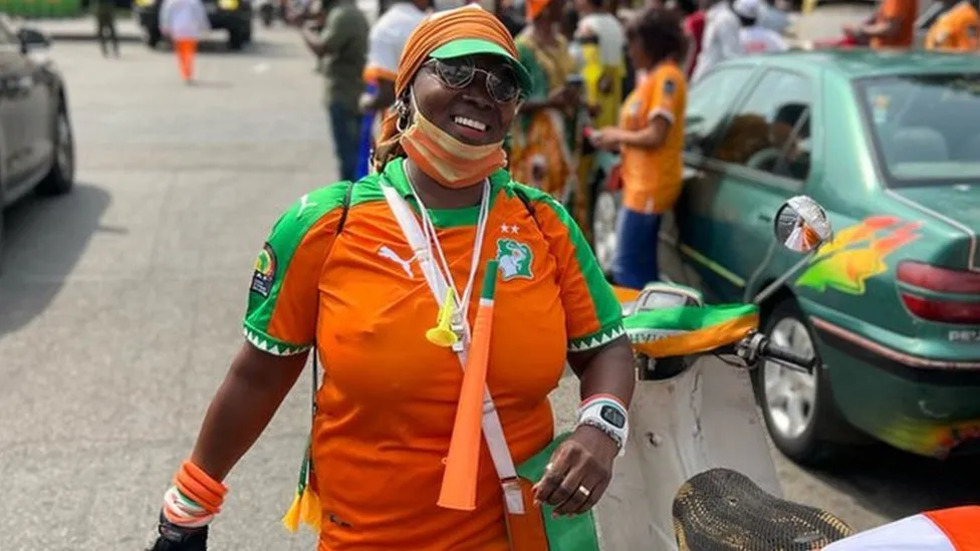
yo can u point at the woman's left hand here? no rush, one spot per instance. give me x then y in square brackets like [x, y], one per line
[579, 472]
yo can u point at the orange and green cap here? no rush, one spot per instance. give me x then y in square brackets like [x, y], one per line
[462, 47]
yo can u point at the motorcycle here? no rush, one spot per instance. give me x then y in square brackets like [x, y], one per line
[694, 428]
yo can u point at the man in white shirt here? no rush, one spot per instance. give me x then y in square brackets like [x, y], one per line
[755, 38]
[721, 36]
[773, 15]
[385, 44]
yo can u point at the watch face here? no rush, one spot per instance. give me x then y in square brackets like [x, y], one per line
[613, 416]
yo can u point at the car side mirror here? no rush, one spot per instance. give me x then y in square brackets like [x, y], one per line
[32, 39]
[802, 225]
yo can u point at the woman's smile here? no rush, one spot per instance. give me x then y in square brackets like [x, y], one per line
[471, 127]
[470, 124]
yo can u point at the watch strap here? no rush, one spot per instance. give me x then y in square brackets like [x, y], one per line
[607, 414]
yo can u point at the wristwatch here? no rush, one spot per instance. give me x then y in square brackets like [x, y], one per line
[608, 415]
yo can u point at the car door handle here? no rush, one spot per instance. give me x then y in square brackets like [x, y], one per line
[764, 216]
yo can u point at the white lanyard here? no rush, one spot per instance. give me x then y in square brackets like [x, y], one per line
[492, 430]
[429, 230]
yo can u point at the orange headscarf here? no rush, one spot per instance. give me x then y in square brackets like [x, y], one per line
[436, 30]
[535, 7]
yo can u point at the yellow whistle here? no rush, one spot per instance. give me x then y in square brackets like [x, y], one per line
[441, 334]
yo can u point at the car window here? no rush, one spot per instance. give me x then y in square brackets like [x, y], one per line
[706, 106]
[771, 131]
[926, 128]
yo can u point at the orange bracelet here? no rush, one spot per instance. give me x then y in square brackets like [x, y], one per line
[197, 492]
[193, 482]
[204, 478]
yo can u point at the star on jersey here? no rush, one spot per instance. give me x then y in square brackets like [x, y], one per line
[504, 228]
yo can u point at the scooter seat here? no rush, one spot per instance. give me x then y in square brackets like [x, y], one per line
[723, 510]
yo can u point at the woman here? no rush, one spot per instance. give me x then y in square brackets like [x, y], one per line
[184, 22]
[545, 140]
[345, 281]
[651, 138]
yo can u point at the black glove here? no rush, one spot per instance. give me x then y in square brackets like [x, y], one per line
[178, 538]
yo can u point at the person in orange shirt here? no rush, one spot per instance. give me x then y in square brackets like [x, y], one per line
[957, 30]
[341, 275]
[651, 140]
[893, 26]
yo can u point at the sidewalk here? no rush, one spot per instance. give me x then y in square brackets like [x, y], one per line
[83, 28]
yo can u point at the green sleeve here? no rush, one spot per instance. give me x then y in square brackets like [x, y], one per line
[283, 297]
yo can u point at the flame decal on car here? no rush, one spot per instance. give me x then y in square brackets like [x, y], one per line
[858, 253]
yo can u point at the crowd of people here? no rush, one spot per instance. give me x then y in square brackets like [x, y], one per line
[599, 81]
[605, 77]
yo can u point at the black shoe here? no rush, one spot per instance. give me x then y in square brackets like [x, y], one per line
[178, 538]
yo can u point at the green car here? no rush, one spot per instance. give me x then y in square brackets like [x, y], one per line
[889, 144]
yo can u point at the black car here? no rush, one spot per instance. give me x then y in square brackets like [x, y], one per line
[37, 151]
[234, 16]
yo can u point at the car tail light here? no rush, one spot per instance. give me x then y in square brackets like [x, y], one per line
[940, 280]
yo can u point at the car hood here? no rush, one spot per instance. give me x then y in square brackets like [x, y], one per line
[958, 205]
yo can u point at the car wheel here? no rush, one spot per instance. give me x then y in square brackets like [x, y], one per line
[798, 407]
[61, 177]
[604, 218]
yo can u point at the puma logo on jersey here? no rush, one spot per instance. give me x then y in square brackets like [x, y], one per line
[304, 203]
[386, 252]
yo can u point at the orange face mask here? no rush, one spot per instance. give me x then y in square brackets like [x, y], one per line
[448, 161]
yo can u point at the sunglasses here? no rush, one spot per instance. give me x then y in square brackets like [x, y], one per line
[459, 72]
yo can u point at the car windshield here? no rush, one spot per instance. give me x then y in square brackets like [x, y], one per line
[926, 127]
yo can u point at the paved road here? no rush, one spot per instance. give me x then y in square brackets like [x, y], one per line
[119, 306]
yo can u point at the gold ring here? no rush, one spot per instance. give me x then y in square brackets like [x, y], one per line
[587, 492]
